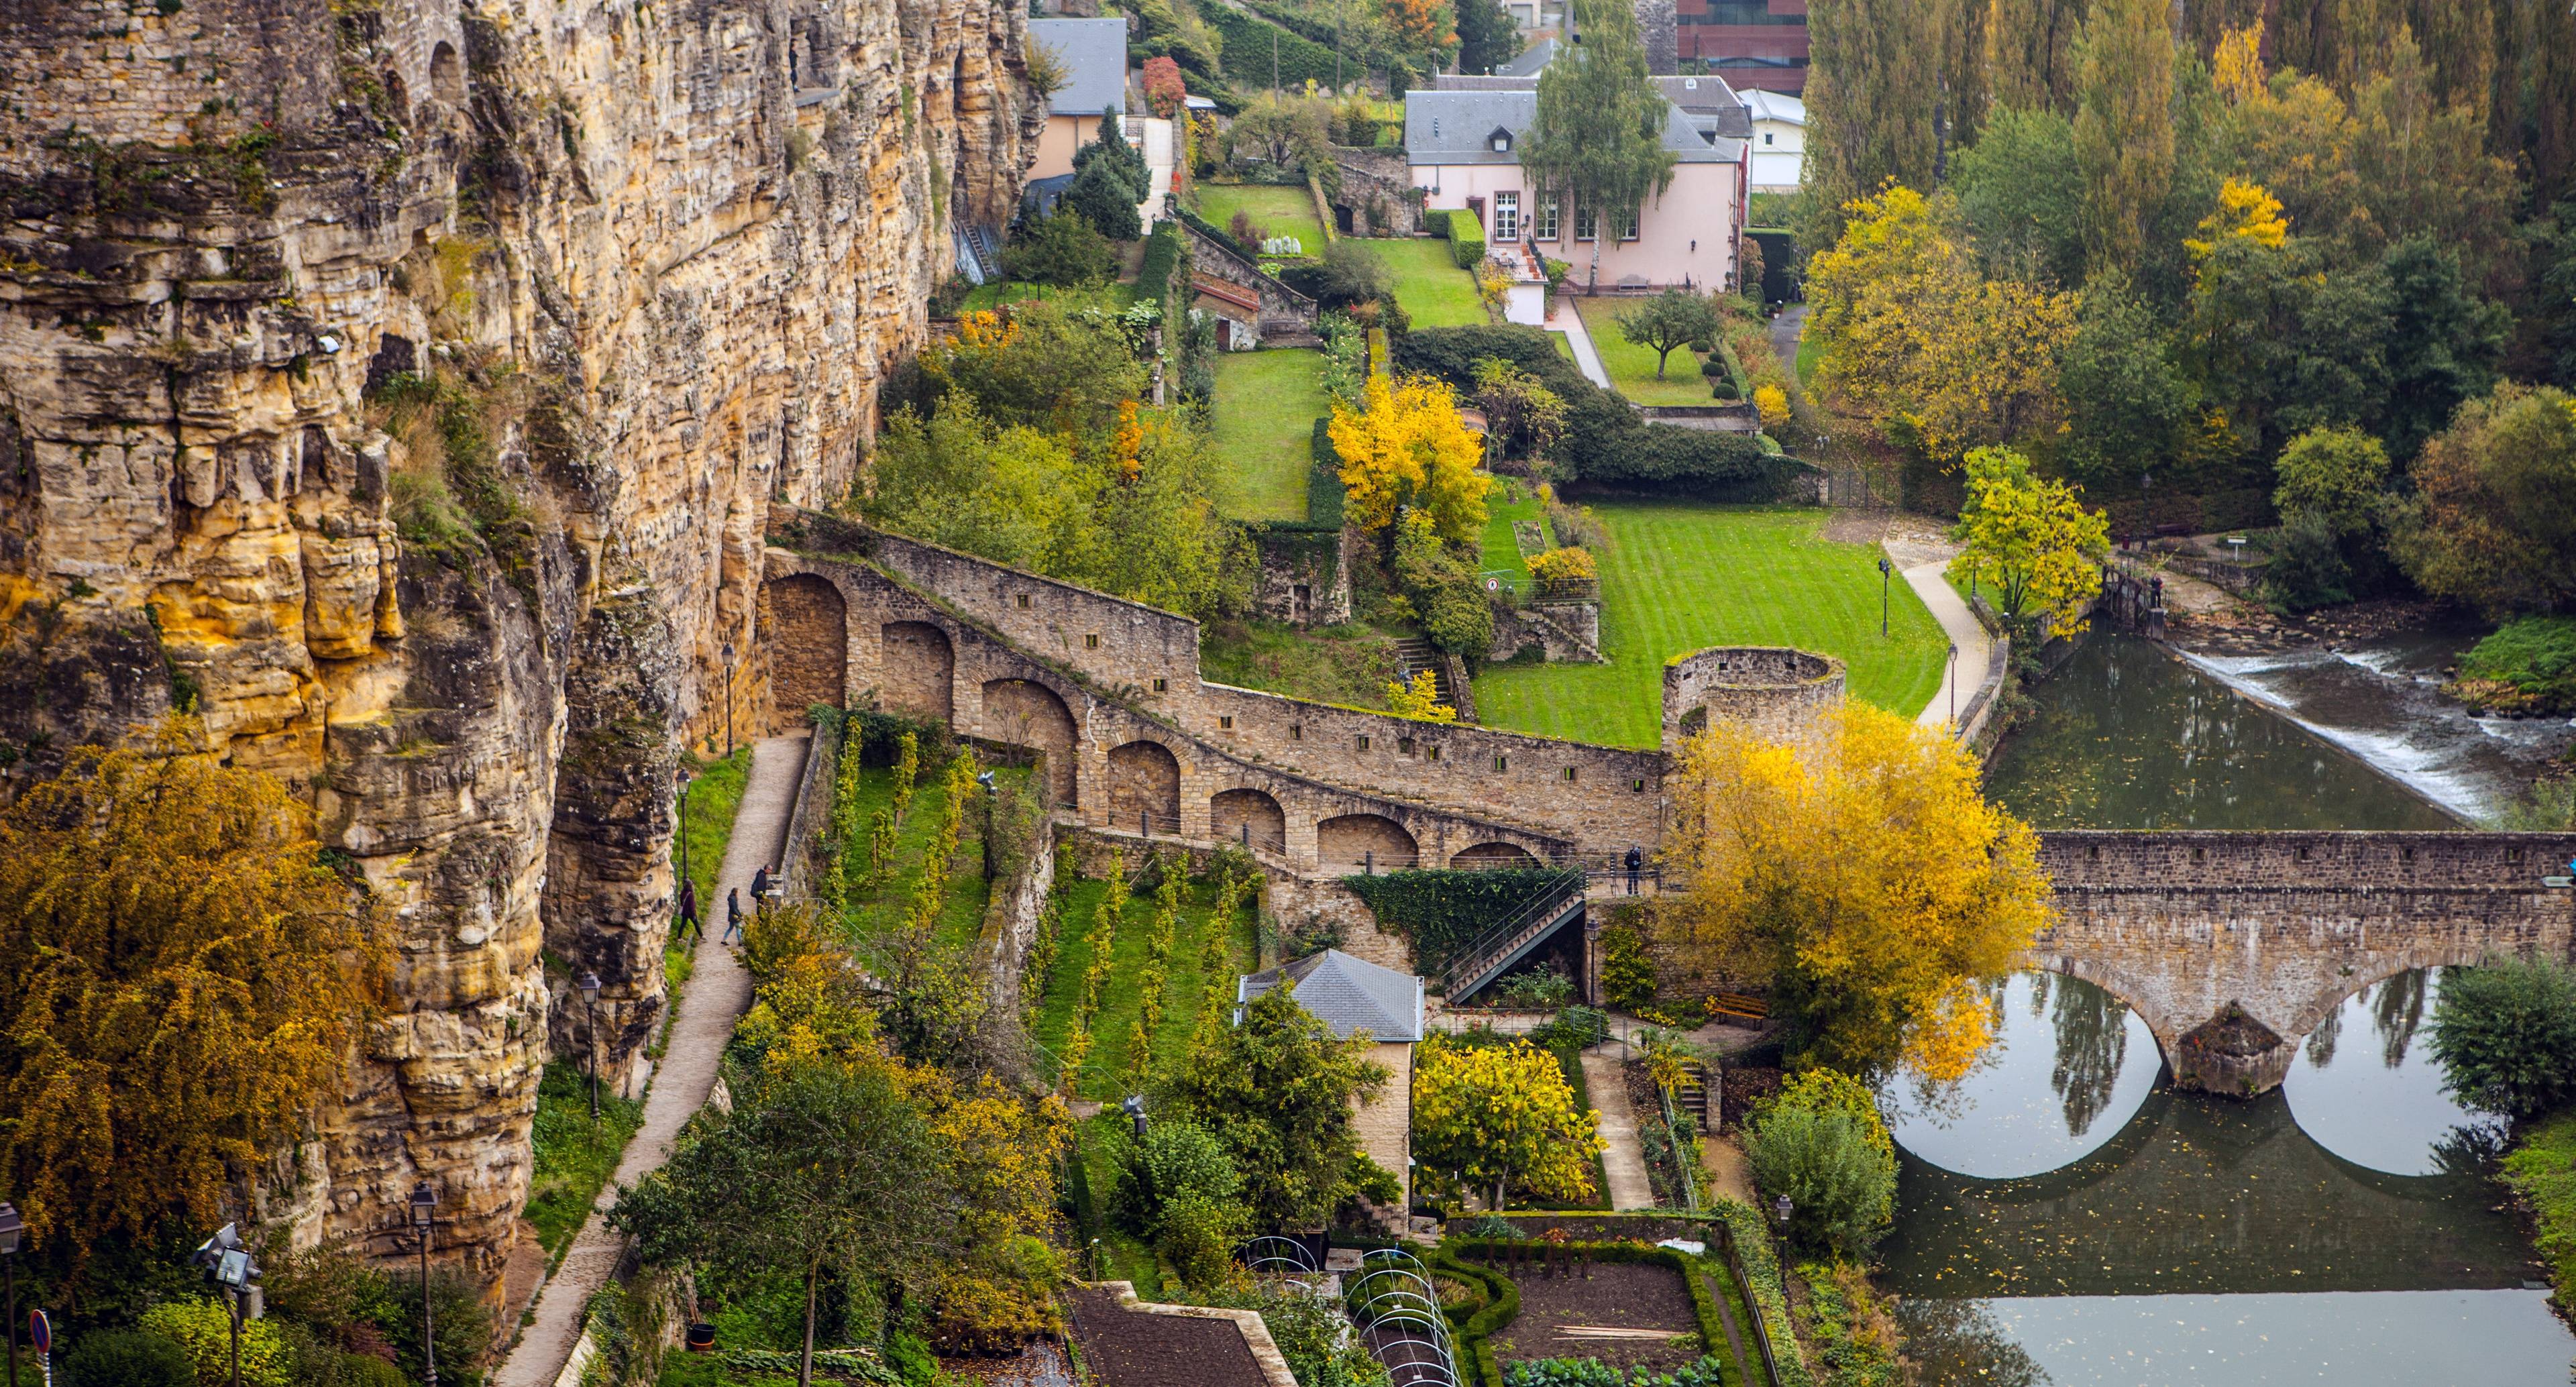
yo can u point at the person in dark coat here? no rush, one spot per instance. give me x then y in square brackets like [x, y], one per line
[689, 911]
[1636, 860]
[733, 916]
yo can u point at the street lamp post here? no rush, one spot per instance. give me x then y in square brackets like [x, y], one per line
[985, 779]
[1135, 1106]
[728, 692]
[588, 982]
[424, 1216]
[228, 1264]
[1954, 683]
[1781, 1208]
[11, 1228]
[1884, 569]
[683, 774]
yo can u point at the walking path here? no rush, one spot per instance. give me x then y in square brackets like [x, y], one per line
[1586, 360]
[1785, 330]
[1624, 1162]
[1153, 139]
[1960, 624]
[719, 988]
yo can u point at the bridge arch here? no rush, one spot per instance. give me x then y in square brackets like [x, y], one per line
[1491, 855]
[1245, 815]
[1145, 783]
[917, 670]
[1023, 712]
[1348, 843]
[808, 644]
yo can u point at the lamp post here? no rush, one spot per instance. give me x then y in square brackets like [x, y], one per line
[1954, 683]
[228, 1264]
[728, 690]
[588, 982]
[424, 1216]
[1884, 569]
[985, 779]
[1781, 1208]
[1135, 1106]
[12, 1228]
[683, 775]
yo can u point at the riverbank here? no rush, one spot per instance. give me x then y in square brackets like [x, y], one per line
[2541, 1171]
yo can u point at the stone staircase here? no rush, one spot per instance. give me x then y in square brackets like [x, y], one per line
[1414, 656]
[1691, 1095]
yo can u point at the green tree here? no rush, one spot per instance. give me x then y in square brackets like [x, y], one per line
[2128, 407]
[2332, 498]
[1597, 141]
[1668, 322]
[2033, 47]
[2553, 320]
[1101, 195]
[127, 1358]
[2505, 1033]
[1487, 38]
[1059, 248]
[1490, 1119]
[1840, 1187]
[1873, 89]
[1279, 1091]
[185, 979]
[826, 1171]
[2444, 343]
[2493, 520]
[2124, 134]
[2021, 194]
[2030, 539]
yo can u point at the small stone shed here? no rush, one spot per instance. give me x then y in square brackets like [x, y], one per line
[1352, 995]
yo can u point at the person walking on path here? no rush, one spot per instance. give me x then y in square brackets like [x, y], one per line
[733, 916]
[760, 889]
[689, 925]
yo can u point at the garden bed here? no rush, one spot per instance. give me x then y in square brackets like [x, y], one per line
[1130, 1348]
[1559, 1307]
[1742, 1088]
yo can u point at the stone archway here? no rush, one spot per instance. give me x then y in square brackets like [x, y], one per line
[1491, 855]
[1358, 842]
[1025, 713]
[917, 670]
[1144, 787]
[807, 646]
[446, 74]
[1248, 818]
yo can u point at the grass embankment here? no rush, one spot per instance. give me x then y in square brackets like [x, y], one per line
[1679, 577]
[1632, 367]
[1348, 664]
[1186, 986]
[2527, 666]
[1266, 406]
[2542, 1170]
[706, 827]
[1501, 550]
[870, 914]
[999, 292]
[1275, 210]
[1429, 286]
[574, 1155]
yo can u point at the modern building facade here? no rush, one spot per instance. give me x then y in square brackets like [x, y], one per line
[1753, 44]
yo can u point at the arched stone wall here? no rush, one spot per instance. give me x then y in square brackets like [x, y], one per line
[1493, 855]
[807, 644]
[917, 670]
[1248, 816]
[1144, 779]
[1025, 713]
[1353, 842]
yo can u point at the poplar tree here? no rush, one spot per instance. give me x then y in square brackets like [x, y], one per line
[2124, 138]
[1873, 86]
[2032, 48]
[1597, 143]
[2459, 40]
[1964, 93]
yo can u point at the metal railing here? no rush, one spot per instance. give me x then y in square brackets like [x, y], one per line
[1752, 1306]
[1273, 1255]
[1561, 893]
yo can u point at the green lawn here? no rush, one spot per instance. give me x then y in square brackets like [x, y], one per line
[868, 914]
[1502, 552]
[1276, 210]
[996, 293]
[1564, 344]
[1349, 664]
[707, 826]
[1682, 576]
[573, 1153]
[1185, 989]
[1266, 406]
[1805, 365]
[1429, 286]
[1632, 367]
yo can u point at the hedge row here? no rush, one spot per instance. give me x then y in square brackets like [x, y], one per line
[1762, 1280]
[1164, 251]
[1442, 912]
[1248, 39]
[1223, 237]
[1477, 1331]
[1466, 240]
[1473, 1331]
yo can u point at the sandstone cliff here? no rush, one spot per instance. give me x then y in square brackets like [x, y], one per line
[402, 385]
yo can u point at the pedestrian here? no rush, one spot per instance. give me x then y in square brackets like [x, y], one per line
[760, 888]
[1636, 860]
[733, 915]
[689, 912]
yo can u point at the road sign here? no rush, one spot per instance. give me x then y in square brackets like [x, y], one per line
[40, 1331]
[2558, 881]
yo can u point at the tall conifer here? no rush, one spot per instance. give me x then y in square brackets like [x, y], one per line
[1873, 86]
[2032, 48]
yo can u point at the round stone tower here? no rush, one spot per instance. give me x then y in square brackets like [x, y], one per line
[1773, 690]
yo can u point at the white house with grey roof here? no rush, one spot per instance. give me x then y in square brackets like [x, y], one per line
[1462, 141]
[1094, 55]
[1351, 996]
[1779, 134]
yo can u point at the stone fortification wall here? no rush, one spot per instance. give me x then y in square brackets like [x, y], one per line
[1284, 311]
[1376, 189]
[663, 255]
[1774, 691]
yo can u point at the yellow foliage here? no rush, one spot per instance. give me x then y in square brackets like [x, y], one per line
[1559, 565]
[2237, 65]
[1406, 447]
[1954, 1032]
[1488, 1117]
[1772, 403]
[2246, 211]
[184, 979]
[2030, 539]
[1861, 875]
[986, 328]
[1420, 699]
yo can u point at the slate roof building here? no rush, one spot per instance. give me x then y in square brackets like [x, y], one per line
[1094, 54]
[1352, 995]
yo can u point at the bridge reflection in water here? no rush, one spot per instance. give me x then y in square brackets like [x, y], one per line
[2186, 1238]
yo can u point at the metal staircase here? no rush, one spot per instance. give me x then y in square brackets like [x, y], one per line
[988, 257]
[1558, 903]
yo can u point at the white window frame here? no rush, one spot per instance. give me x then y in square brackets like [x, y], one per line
[1507, 218]
[1587, 224]
[1545, 224]
[1635, 225]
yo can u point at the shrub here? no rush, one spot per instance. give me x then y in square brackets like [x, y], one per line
[1163, 86]
[1467, 242]
[1104, 197]
[202, 1329]
[1436, 222]
[2530, 664]
[1840, 1189]
[1059, 248]
[1627, 973]
[1562, 565]
[127, 1358]
[2505, 1032]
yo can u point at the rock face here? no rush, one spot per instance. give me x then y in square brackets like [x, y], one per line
[401, 386]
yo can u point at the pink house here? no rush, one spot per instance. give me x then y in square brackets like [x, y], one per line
[1462, 142]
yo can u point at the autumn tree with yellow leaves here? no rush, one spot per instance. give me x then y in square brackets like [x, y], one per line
[1405, 447]
[1500, 1119]
[1861, 877]
[185, 977]
[2031, 540]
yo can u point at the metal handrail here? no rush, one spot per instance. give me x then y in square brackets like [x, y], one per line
[1752, 1305]
[1673, 1134]
[1568, 886]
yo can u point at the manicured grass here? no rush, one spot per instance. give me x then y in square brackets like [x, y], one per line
[574, 1155]
[1680, 577]
[2542, 1169]
[998, 292]
[1185, 989]
[1564, 344]
[1349, 664]
[1502, 552]
[1281, 211]
[1632, 367]
[1429, 286]
[1805, 365]
[1266, 406]
[869, 914]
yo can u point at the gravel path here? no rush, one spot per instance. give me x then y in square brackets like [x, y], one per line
[1625, 1161]
[718, 990]
[1785, 330]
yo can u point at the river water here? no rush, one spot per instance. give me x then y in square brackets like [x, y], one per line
[2066, 1217]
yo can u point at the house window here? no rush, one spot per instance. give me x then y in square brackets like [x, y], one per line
[1404, 745]
[1225, 722]
[1507, 218]
[1628, 226]
[1091, 641]
[1586, 226]
[1638, 785]
[1766, 137]
[1024, 601]
[1543, 219]
[1296, 733]
[1364, 741]
[1500, 141]
[1161, 685]
[1431, 753]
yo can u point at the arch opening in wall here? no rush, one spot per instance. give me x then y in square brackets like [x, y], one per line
[916, 670]
[446, 74]
[1029, 714]
[1248, 818]
[397, 97]
[1488, 856]
[1364, 842]
[1144, 787]
[805, 636]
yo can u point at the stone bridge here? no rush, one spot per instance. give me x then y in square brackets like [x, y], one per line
[2232, 947]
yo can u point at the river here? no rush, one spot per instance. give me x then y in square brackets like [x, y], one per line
[2066, 1217]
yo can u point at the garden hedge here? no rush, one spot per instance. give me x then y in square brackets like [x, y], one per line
[1466, 240]
[1326, 496]
[1163, 257]
[1476, 1333]
[1248, 48]
[1473, 1331]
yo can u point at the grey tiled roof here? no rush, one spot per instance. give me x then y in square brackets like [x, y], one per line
[1348, 994]
[1532, 58]
[1094, 52]
[1457, 126]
